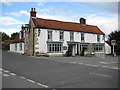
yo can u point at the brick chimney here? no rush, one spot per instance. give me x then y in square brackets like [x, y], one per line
[33, 12]
[82, 21]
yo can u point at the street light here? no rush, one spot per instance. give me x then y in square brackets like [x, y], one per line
[113, 42]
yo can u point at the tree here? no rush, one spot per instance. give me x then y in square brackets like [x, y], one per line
[4, 36]
[117, 48]
[115, 36]
[13, 35]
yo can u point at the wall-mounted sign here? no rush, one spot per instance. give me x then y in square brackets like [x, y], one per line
[64, 47]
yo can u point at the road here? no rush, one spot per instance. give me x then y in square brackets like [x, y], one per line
[58, 72]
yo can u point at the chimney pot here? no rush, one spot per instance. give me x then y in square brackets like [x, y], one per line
[33, 12]
[82, 21]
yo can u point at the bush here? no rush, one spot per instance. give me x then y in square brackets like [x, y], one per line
[117, 48]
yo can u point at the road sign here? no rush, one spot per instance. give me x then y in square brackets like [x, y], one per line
[113, 42]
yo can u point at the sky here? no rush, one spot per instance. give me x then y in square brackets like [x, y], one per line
[101, 14]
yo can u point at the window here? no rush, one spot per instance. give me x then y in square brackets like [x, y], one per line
[71, 36]
[98, 47]
[49, 35]
[83, 47]
[98, 38]
[61, 35]
[82, 36]
[103, 37]
[20, 46]
[15, 46]
[54, 47]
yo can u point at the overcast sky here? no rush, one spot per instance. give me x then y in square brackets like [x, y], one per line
[101, 14]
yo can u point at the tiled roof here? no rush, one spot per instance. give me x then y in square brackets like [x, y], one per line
[70, 26]
[17, 39]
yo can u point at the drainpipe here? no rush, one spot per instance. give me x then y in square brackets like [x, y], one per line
[33, 41]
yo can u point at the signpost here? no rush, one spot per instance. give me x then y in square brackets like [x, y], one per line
[113, 42]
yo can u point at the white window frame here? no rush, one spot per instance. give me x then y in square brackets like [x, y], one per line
[54, 47]
[20, 46]
[61, 35]
[71, 36]
[82, 37]
[99, 47]
[50, 35]
[98, 38]
[15, 46]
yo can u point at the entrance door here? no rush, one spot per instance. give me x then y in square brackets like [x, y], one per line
[70, 50]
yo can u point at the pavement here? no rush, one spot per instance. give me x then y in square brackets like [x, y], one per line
[20, 71]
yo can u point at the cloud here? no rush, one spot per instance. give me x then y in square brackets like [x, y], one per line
[106, 24]
[9, 31]
[22, 12]
[40, 4]
[44, 10]
[9, 21]
[6, 2]
[56, 17]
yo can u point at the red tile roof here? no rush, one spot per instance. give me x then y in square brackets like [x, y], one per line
[70, 26]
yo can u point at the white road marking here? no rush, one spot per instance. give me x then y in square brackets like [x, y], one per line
[42, 85]
[114, 68]
[95, 65]
[108, 62]
[13, 74]
[30, 80]
[80, 63]
[1, 69]
[6, 75]
[6, 71]
[22, 77]
[100, 74]
[88, 64]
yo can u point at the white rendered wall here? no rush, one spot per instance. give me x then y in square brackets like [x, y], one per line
[92, 38]
[107, 49]
[12, 48]
[43, 38]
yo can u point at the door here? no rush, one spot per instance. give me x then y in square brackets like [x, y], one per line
[70, 50]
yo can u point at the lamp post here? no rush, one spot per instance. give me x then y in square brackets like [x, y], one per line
[113, 44]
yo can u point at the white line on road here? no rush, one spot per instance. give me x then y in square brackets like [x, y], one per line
[30, 80]
[13, 74]
[22, 77]
[6, 71]
[6, 75]
[42, 85]
[80, 63]
[100, 74]
[1, 69]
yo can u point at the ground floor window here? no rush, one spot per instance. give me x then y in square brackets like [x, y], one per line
[98, 47]
[15, 46]
[83, 47]
[54, 47]
[20, 46]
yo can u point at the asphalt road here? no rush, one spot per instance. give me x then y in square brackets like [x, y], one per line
[58, 72]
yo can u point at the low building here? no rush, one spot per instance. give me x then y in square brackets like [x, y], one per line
[58, 38]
